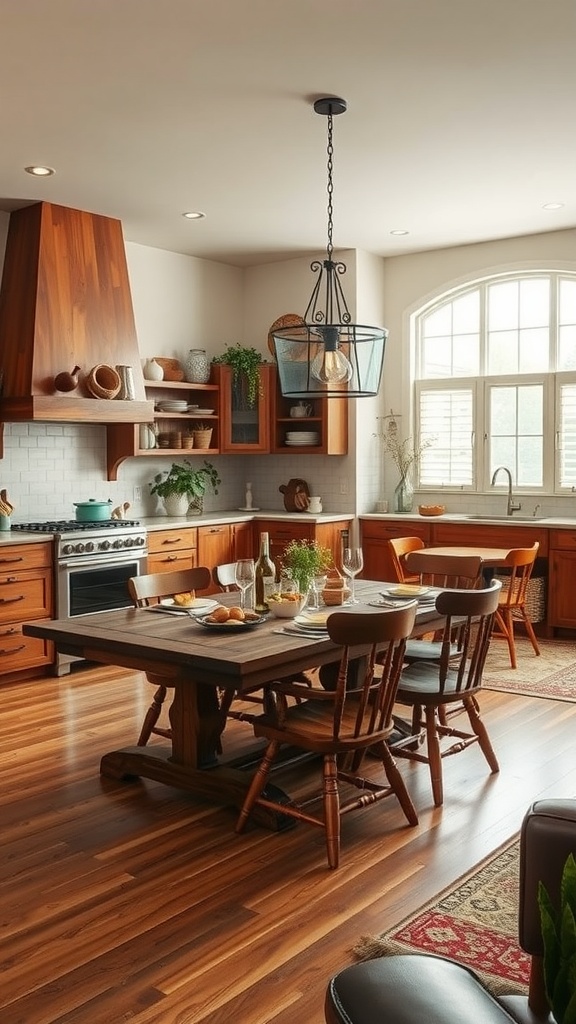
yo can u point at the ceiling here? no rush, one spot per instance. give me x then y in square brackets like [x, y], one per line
[460, 121]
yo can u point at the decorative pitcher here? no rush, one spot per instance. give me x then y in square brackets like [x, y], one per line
[127, 387]
[152, 370]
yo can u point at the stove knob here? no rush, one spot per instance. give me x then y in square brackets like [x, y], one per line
[104, 545]
[68, 549]
[128, 542]
[117, 544]
[140, 542]
[89, 546]
[79, 548]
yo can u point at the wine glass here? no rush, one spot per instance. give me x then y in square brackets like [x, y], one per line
[244, 576]
[352, 564]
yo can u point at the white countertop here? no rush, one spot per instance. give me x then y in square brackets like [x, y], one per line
[558, 522]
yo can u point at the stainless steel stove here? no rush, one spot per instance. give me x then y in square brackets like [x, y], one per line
[94, 562]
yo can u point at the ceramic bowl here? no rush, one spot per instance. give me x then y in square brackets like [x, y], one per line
[431, 510]
[283, 608]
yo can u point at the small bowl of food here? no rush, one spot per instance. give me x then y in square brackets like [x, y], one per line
[431, 510]
[286, 604]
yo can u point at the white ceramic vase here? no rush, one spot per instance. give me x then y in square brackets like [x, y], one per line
[152, 370]
[176, 504]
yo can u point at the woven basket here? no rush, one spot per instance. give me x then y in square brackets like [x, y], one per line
[103, 381]
[335, 592]
[202, 438]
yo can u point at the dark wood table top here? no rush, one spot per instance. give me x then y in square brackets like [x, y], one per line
[177, 646]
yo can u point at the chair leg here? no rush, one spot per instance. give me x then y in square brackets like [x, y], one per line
[530, 631]
[398, 785]
[257, 784]
[434, 756]
[479, 730]
[331, 809]
[506, 626]
[152, 716]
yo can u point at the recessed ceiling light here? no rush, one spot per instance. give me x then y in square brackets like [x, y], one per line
[194, 215]
[553, 206]
[399, 231]
[39, 171]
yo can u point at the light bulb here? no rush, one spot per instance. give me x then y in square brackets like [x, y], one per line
[331, 367]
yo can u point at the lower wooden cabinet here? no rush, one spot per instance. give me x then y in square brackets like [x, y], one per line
[562, 573]
[169, 550]
[329, 535]
[214, 547]
[374, 537]
[26, 593]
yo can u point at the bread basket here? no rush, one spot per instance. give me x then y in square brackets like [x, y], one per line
[431, 510]
[335, 591]
[103, 381]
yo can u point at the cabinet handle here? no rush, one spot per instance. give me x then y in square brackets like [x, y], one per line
[8, 561]
[13, 650]
[11, 600]
[170, 540]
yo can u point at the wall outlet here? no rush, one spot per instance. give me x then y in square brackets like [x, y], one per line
[343, 485]
[137, 493]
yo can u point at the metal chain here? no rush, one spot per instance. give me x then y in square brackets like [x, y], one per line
[330, 151]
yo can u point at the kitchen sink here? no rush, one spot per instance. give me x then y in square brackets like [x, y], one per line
[508, 519]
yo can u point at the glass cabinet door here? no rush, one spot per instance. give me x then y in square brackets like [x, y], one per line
[244, 427]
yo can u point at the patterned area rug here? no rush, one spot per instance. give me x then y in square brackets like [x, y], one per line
[473, 922]
[552, 675]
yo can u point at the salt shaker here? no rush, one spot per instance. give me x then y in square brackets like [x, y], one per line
[248, 498]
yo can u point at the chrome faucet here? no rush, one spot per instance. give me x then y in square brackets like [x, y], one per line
[513, 506]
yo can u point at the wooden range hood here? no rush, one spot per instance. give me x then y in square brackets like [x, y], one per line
[65, 300]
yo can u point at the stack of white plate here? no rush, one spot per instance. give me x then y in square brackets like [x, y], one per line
[172, 406]
[301, 438]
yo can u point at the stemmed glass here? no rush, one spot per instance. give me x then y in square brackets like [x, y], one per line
[352, 564]
[244, 576]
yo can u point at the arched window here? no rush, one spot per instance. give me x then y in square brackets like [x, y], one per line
[495, 383]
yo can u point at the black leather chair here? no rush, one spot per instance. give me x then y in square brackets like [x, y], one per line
[413, 989]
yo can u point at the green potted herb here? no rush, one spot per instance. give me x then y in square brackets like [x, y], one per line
[182, 487]
[245, 364]
[303, 560]
[559, 938]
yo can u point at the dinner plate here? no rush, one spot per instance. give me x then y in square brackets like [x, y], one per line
[312, 620]
[232, 625]
[201, 606]
[406, 590]
[201, 412]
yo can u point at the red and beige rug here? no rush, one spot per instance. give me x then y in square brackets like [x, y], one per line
[551, 675]
[473, 922]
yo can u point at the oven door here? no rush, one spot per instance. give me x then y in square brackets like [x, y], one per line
[93, 585]
[96, 585]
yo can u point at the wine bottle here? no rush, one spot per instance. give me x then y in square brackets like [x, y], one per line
[265, 576]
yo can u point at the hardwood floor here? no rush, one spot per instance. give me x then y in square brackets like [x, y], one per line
[133, 902]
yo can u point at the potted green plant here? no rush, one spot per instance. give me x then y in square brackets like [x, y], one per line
[245, 364]
[303, 560]
[182, 487]
[559, 938]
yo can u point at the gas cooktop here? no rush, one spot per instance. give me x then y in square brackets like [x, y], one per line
[73, 526]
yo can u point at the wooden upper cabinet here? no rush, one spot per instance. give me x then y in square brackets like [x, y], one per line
[243, 428]
[326, 417]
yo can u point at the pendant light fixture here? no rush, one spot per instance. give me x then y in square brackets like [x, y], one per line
[327, 355]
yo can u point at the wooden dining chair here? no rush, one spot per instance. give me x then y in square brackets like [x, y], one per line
[456, 571]
[512, 604]
[224, 576]
[428, 687]
[340, 725]
[396, 550]
[149, 589]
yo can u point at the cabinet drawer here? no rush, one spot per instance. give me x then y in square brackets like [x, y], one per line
[285, 532]
[25, 597]
[172, 540]
[171, 561]
[374, 529]
[18, 652]
[563, 539]
[477, 535]
[25, 556]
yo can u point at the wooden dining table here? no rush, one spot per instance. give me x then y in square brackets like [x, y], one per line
[195, 662]
[490, 557]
